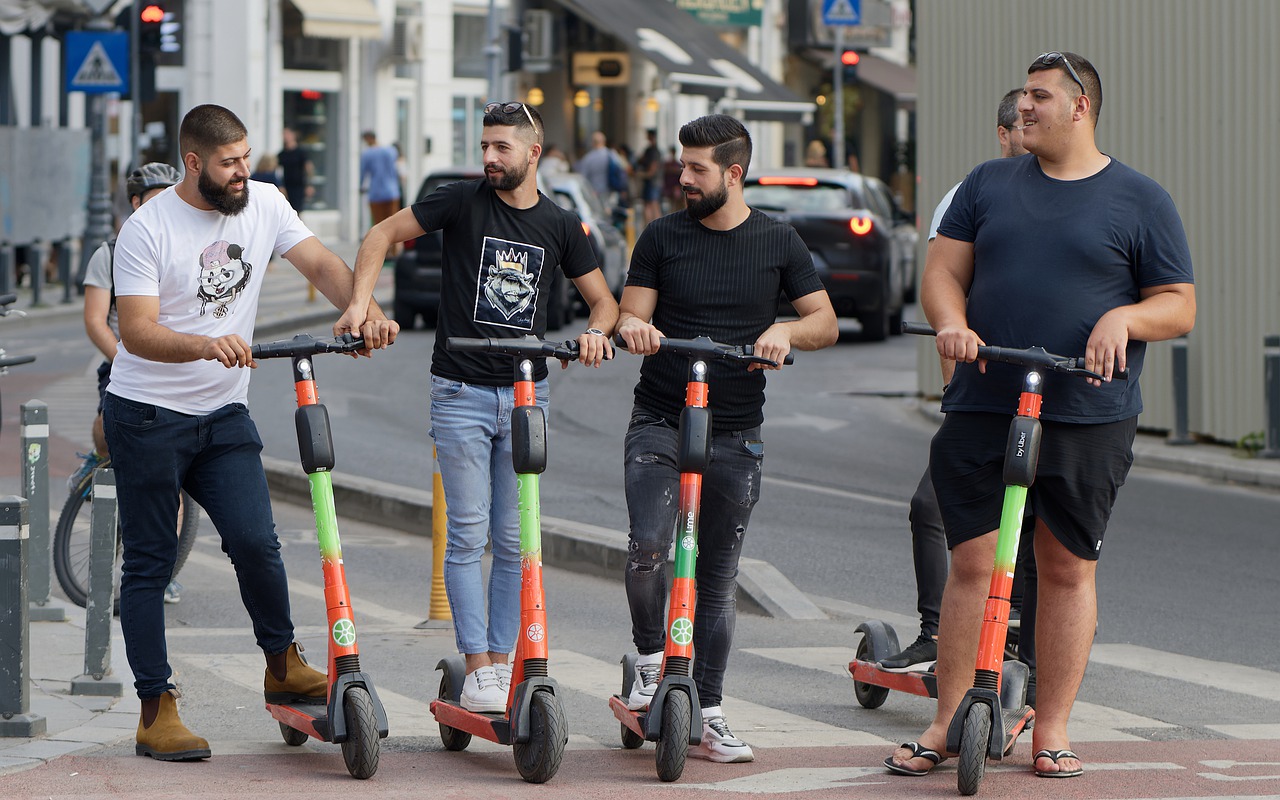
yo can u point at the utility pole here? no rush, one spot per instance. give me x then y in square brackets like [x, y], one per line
[837, 83]
[493, 52]
[99, 228]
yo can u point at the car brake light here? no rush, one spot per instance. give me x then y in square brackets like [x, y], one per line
[410, 243]
[861, 226]
[784, 181]
[586, 229]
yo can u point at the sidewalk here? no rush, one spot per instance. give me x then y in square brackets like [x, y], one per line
[76, 723]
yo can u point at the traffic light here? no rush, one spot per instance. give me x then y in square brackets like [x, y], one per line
[849, 65]
[515, 49]
[150, 20]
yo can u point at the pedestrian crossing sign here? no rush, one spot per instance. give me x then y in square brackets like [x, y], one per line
[97, 62]
[842, 12]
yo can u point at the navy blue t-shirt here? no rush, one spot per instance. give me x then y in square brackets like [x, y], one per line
[1050, 258]
[499, 263]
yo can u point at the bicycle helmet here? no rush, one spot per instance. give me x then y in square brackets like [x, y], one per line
[153, 175]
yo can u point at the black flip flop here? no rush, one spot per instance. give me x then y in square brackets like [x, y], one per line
[1054, 755]
[917, 751]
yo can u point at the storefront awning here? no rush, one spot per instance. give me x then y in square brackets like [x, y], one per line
[339, 19]
[895, 80]
[692, 57]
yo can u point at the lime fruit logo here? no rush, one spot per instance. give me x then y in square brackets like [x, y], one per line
[535, 633]
[344, 633]
[682, 631]
[687, 543]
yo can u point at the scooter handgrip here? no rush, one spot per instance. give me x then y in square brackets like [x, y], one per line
[13, 361]
[8, 299]
[918, 328]
[464, 343]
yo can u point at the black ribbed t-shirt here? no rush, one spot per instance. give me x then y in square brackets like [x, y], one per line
[721, 284]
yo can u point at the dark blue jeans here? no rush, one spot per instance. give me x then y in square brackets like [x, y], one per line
[730, 489]
[155, 453]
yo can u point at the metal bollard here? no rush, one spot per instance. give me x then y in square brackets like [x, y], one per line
[97, 679]
[16, 718]
[8, 268]
[64, 269]
[1181, 394]
[439, 615]
[1271, 355]
[38, 252]
[33, 456]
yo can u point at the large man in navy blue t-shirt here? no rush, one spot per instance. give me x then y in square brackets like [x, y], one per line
[1071, 250]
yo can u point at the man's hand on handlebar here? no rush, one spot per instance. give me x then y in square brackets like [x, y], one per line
[774, 344]
[1106, 351]
[592, 349]
[959, 343]
[230, 351]
[641, 337]
[377, 331]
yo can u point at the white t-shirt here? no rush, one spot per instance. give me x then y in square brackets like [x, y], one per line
[941, 210]
[98, 273]
[207, 269]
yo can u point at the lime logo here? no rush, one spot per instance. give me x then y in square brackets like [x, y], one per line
[682, 631]
[33, 452]
[535, 633]
[687, 543]
[344, 633]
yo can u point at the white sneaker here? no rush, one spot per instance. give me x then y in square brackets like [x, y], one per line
[504, 677]
[718, 742]
[645, 681]
[482, 693]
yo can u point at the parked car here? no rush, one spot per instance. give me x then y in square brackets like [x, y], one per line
[418, 268]
[572, 191]
[848, 222]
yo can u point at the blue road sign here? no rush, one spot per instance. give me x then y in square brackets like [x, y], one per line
[841, 12]
[97, 62]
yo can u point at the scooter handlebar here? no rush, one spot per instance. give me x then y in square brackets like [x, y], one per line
[13, 361]
[704, 347]
[526, 347]
[1025, 357]
[304, 344]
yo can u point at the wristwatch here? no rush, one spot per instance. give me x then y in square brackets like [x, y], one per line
[595, 331]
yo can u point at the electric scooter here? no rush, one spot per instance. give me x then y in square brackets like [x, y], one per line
[673, 719]
[534, 722]
[352, 716]
[994, 712]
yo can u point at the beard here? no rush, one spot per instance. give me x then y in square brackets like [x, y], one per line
[708, 203]
[223, 200]
[509, 179]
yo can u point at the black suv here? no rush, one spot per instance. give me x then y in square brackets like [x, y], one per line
[418, 269]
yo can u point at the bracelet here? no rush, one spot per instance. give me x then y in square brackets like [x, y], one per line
[595, 331]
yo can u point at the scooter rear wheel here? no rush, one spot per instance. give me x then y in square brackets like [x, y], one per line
[361, 749]
[630, 739]
[292, 736]
[454, 739]
[673, 746]
[973, 748]
[539, 759]
[868, 695]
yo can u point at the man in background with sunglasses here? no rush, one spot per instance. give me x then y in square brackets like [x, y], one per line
[1068, 249]
[503, 242]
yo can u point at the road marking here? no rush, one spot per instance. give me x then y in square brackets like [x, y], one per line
[1260, 683]
[827, 490]
[1248, 731]
[820, 424]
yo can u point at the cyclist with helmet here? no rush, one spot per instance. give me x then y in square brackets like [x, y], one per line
[100, 322]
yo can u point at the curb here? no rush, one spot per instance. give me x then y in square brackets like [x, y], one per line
[590, 549]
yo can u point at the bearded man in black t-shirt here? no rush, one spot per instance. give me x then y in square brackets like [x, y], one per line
[715, 269]
[503, 241]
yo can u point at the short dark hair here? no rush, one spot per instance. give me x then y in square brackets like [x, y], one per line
[517, 119]
[726, 134]
[1007, 114]
[206, 128]
[1089, 78]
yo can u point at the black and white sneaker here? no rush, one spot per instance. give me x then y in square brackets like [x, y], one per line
[718, 742]
[921, 655]
[645, 681]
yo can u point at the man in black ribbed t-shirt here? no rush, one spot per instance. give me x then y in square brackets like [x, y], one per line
[715, 269]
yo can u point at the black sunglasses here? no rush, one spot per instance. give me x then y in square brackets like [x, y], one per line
[1049, 59]
[511, 108]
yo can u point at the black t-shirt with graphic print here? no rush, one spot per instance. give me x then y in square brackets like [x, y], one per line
[498, 268]
[721, 284]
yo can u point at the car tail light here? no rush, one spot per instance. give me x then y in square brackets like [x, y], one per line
[771, 180]
[410, 243]
[860, 226]
[586, 229]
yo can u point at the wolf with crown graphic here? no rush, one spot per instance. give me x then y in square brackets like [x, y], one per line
[509, 283]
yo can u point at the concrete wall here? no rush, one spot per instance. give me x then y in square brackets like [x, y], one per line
[1186, 100]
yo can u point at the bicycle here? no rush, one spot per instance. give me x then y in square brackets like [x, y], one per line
[11, 361]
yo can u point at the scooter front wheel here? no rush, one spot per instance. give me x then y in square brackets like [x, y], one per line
[538, 759]
[673, 746]
[292, 736]
[362, 747]
[973, 748]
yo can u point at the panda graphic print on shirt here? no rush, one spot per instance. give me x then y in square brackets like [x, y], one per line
[510, 274]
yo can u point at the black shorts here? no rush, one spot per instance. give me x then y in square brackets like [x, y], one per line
[1081, 469]
[104, 377]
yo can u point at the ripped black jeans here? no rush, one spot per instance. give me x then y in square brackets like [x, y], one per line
[730, 489]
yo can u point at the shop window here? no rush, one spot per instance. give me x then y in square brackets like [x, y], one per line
[307, 52]
[313, 116]
[469, 46]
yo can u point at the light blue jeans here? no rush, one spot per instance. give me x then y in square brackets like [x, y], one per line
[471, 426]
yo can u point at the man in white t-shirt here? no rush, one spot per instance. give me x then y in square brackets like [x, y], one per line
[189, 267]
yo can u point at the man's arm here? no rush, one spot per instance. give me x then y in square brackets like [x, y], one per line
[370, 257]
[1164, 312]
[593, 349]
[948, 274]
[329, 273]
[816, 328]
[634, 313]
[97, 306]
[145, 337]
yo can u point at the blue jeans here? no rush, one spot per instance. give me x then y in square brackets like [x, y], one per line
[471, 426]
[155, 453]
[730, 489]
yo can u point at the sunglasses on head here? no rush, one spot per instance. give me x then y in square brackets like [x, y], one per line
[1049, 59]
[511, 108]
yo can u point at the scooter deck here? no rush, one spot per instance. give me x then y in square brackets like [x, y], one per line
[918, 682]
[1016, 720]
[634, 720]
[494, 727]
[311, 719]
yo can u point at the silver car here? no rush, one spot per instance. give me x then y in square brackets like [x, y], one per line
[571, 191]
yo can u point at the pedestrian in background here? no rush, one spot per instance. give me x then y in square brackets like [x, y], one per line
[649, 168]
[295, 171]
[380, 179]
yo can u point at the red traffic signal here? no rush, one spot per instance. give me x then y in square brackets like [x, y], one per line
[850, 58]
[153, 13]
